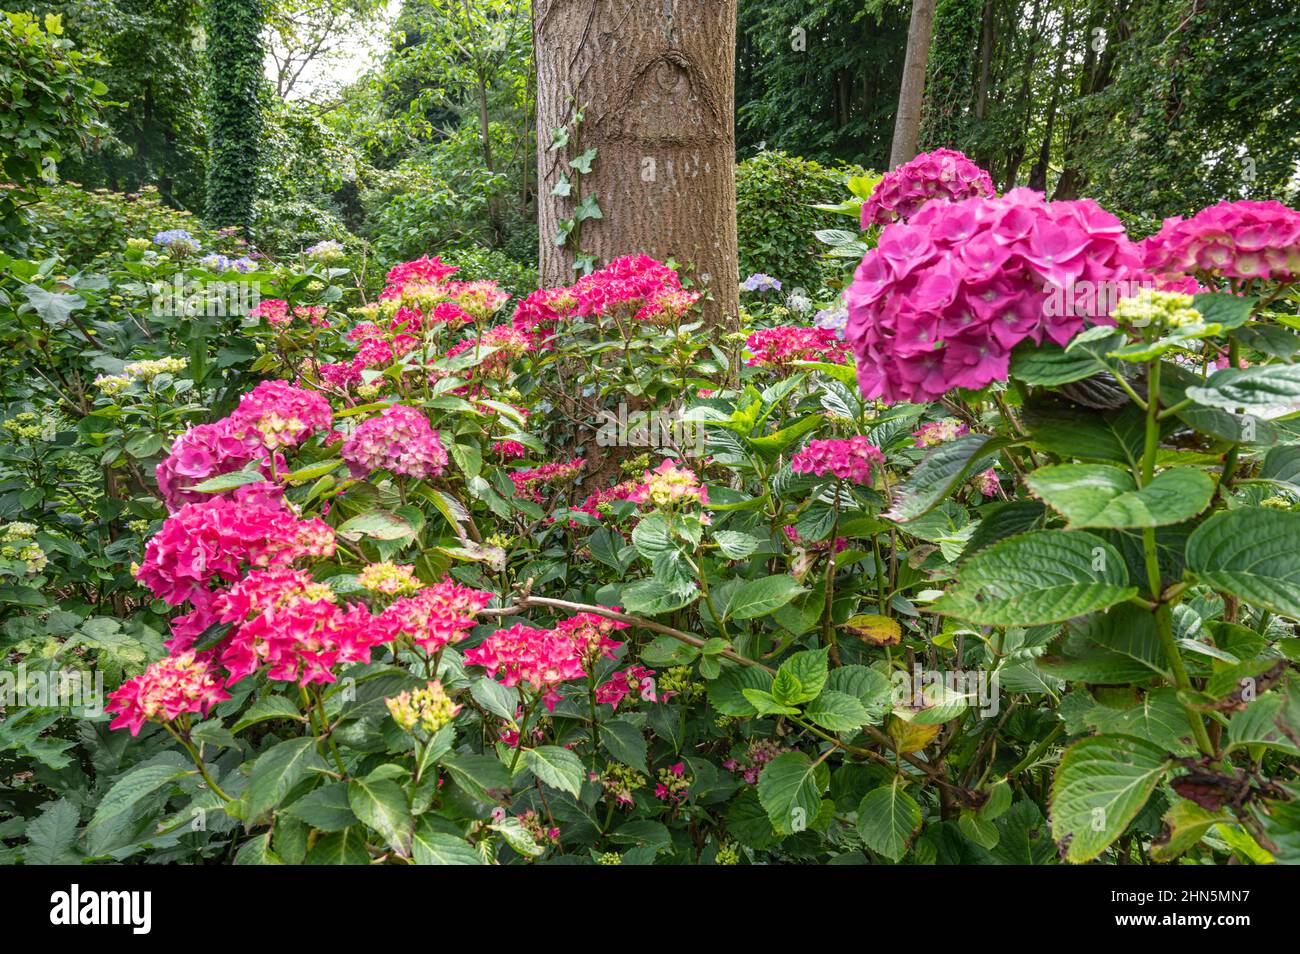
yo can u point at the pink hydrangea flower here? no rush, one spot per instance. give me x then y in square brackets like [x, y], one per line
[509, 450]
[437, 615]
[525, 655]
[530, 481]
[217, 539]
[202, 452]
[634, 680]
[781, 346]
[400, 441]
[282, 415]
[942, 299]
[423, 270]
[668, 486]
[592, 632]
[1230, 240]
[850, 459]
[301, 641]
[185, 682]
[543, 310]
[938, 432]
[941, 174]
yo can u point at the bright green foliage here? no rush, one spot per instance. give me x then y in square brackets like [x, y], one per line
[234, 56]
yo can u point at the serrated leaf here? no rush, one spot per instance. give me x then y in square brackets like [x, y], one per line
[1100, 786]
[381, 805]
[1046, 576]
[790, 789]
[888, 818]
[1099, 495]
[1251, 553]
[556, 767]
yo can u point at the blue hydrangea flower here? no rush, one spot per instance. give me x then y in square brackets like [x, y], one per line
[176, 240]
[760, 282]
[215, 262]
[244, 265]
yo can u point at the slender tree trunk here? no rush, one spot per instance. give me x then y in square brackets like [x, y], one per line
[907, 122]
[655, 81]
[986, 61]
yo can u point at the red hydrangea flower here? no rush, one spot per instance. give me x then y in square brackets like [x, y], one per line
[591, 632]
[781, 346]
[530, 481]
[185, 682]
[424, 270]
[437, 615]
[301, 641]
[634, 680]
[526, 655]
[942, 174]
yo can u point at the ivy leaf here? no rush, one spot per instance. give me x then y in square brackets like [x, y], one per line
[1100, 786]
[1046, 576]
[583, 162]
[588, 208]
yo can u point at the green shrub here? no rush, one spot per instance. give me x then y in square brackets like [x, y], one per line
[775, 218]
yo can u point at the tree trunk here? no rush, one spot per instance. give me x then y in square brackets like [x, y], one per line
[655, 81]
[907, 123]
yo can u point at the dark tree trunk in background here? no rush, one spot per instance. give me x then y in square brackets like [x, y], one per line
[907, 123]
[234, 110]
[655, 79]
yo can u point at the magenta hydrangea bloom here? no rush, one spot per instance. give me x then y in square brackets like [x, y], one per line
[779, 347]
[1229, 240]
[217, 539]
[399, 441]
[941, 174]
[203, 452]
[850, 459]
[942, 299]
[282, 415]
[168, 688]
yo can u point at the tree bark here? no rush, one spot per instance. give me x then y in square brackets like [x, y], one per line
[656, 82]
[907, 122]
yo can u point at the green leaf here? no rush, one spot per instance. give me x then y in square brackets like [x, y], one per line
[556, 767]
[837, 711]
[625, 742]
[888, 818]
[279, 769]
[1185, 824]
[257, 851]
[52, 834]
[733, 544]
[1251, 553]
[759, 597]
[651, 597]
[325, 808]
[347, 847]
[1049, 365]
[801, 677]
[939, 474]
[266, 708]
[376, 524]
[1046, 576]
[1265, 391]
[790, 789]
[216, 485]
[131, 788]
[381, 804]
[432, 847]
[1282, 465]
[726, 693]
[1099, 495]
[477, 774]
[1100, 786]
